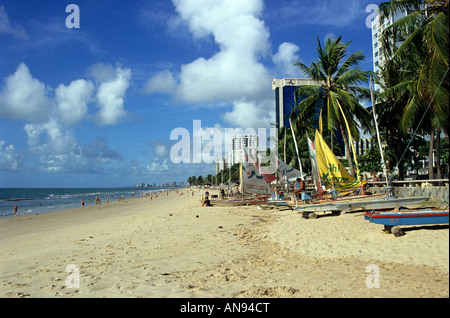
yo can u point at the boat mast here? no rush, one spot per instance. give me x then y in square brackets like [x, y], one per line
[383, 163]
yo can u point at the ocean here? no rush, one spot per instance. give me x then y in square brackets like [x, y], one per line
[42, 200]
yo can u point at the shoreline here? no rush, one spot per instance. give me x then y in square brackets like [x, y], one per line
[65, 198]
[172, 247]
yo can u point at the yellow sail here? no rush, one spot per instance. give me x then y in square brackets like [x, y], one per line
[331, 170]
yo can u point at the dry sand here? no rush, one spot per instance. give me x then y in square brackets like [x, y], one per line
[172, 247]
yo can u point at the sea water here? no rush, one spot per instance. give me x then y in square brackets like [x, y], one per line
[41, 200]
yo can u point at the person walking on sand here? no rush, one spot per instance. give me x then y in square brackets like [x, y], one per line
[82, 203]
[15, 209]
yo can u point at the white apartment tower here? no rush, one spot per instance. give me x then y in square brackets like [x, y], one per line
[242, 144]
[378, 26]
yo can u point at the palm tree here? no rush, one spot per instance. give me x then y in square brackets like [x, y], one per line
[337, 92]
[424, 50]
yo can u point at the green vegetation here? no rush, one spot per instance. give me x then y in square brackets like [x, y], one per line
[412, 107]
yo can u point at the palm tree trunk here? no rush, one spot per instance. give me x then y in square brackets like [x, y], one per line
[438, 155]
[348, 151]
[430, 157]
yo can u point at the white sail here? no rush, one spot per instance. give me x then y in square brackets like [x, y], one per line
[251, 181]
[286, 171]
[314, 168]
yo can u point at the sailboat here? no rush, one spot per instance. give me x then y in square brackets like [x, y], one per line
[251, 181]
[288, 174]
[253, 188]
[334, 175]
[392, 220]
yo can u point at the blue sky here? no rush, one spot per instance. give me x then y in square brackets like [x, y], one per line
[94, 106]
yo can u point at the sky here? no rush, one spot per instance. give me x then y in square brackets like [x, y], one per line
[100, 93]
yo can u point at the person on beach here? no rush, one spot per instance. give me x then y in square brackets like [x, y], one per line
[15, 209]
[82, 203]
[206, 201]
[299, 188]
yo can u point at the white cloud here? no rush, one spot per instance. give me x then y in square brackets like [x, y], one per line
[24, 97]
[59, 151]
[285, 58]
[50, 119]
[72, 100]
[243, 114]
[9, 157]
[50, 138]
[235, 72]
[163, 82]
[160, 150]
[242, 38]
[102, 72]
[330, 36]
[156, 166]
[110, 97]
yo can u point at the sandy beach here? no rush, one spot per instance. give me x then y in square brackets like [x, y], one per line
[172, 247]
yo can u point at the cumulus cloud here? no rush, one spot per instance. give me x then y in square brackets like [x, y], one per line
[162, 82]
[235, 72]
[285, 58]
[24, 97]
[50, 118]
[9, 157]
[59, 151]
[50, 138]
[72, 100]
[243, 114]
[110, 97]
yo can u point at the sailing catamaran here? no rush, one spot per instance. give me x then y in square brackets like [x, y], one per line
[334, 176]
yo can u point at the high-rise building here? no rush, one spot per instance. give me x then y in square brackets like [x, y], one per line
[362, 146]
[242, 145]
[285, 101]
[284, 97]
[220, 165]
[378, 26]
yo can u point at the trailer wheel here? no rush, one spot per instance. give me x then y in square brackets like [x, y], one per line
[312, 215]
[397, 231]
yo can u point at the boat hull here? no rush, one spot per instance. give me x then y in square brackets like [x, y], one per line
[361, 204]
[279, 202]
[408, 218]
